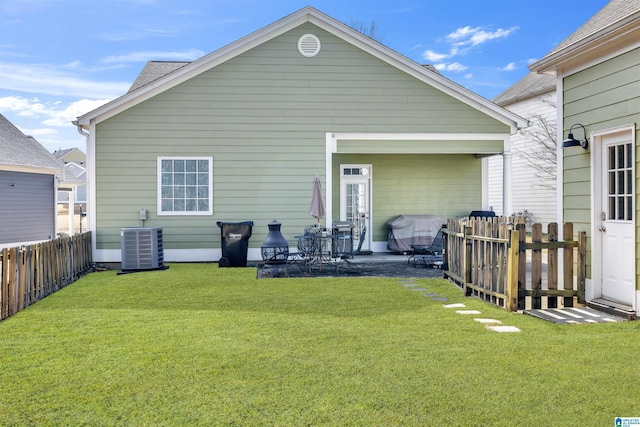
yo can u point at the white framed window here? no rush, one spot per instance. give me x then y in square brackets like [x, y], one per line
[185, 185]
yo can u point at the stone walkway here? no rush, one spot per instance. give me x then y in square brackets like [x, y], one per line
[490, 324]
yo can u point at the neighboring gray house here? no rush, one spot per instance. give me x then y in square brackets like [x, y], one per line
[598, 79]
[533, 188]
[28, 186]
[241, 133]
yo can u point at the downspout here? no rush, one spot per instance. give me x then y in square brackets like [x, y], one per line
[86, 135]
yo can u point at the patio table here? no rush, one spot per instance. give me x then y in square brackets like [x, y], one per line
[316, 249]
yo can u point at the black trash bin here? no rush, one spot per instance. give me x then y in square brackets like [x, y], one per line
[235, 243]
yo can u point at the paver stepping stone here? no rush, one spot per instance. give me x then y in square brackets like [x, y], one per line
[503, 328]
[468, 312]
[455, 305]
[440, 299]
[430, 295]
[418, 289]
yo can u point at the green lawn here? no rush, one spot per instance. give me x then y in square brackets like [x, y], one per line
[198, 345]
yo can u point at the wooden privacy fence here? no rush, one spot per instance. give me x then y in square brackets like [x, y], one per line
[492, 259]
[30, 273]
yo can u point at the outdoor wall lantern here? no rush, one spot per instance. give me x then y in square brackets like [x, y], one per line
[572, 142]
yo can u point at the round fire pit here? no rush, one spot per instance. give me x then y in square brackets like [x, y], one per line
[275, 250]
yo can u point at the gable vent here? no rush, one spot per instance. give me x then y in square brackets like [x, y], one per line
[308, 45]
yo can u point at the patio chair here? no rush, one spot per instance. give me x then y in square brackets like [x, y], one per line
[482, 214]
[306, 252]
[349, 256]
[363, 234]
[430, 256]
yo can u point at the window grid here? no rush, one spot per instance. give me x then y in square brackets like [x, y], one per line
[620, 177]
[185, 186]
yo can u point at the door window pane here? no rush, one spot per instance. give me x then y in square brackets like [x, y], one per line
[620, 186]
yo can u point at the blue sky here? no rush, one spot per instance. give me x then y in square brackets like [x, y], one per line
[62, 58]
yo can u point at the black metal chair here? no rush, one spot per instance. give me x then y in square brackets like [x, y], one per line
[430, 256]
[347, 257]
[306, 252]
[363, 234]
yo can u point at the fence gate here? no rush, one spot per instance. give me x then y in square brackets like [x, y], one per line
[495, 260]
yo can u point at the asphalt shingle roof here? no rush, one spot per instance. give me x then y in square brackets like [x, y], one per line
[613, 12]
[153, 70]
[59, 154]
[531, 85]
[18, 149]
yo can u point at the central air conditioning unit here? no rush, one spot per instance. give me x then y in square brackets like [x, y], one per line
[142, 248]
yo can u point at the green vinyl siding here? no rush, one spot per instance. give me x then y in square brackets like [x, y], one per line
[263, 117]
[601, 97]
[442, 185]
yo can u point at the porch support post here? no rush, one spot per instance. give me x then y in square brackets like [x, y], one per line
[330, 148]
[507, 208]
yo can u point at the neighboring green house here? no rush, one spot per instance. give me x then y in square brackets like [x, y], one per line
[241, 133]
[598, 73]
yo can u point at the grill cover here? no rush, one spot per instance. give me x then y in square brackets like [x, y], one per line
[407, 230]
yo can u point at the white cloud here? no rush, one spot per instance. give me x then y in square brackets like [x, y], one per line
[468, 76]
[467, 36]
[23, 106]
[55, 80]
[511, 66]
[54, 114]
[72, 111]
[462, 33]
[48, 121]
[39, 132]
[432, 56]
[455, 67]
[485, 36]
[461, 41]
[144, 56]
[531, 60]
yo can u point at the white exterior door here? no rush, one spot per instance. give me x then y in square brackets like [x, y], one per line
[615, 223]
[355, 201]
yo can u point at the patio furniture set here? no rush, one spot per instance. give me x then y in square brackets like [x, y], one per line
[317, 247]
